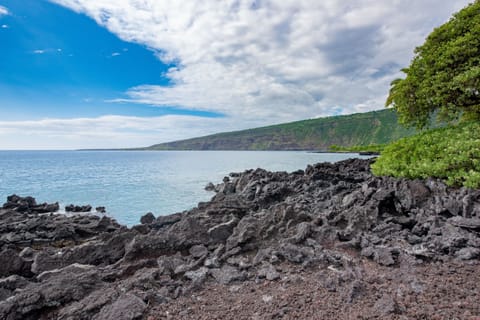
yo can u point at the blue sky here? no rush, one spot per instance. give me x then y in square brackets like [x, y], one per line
[62, 64]
[124, 73]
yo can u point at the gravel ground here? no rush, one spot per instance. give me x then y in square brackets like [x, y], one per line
[449, 290]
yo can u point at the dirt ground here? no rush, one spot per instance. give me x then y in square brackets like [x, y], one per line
[440, 290]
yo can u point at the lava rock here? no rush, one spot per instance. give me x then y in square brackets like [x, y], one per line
[147, 218]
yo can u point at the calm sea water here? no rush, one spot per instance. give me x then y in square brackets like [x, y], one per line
[130, 183]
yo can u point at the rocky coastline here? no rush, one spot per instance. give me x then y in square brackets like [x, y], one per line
[328, 242]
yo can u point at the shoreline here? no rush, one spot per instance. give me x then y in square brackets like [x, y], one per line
[330, 240]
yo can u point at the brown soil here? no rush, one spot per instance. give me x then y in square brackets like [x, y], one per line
[449, 290]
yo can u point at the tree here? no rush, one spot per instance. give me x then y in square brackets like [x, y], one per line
[444, 75]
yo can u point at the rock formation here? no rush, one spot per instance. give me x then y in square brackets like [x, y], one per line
[330, 217]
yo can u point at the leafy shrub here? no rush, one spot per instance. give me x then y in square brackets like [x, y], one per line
[449, 153]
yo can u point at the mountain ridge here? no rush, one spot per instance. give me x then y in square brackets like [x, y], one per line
[319, 134]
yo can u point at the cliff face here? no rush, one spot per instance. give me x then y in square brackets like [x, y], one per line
[375, 127]
[272, 239]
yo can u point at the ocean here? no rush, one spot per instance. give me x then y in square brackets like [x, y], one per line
[132, 183]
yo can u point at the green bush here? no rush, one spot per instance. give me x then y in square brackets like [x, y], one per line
[450, 153]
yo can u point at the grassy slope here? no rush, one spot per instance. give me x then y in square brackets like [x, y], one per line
[376, 127]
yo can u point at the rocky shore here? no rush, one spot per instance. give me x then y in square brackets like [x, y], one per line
[328, 242]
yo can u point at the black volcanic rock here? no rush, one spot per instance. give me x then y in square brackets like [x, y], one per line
[147, 218]
[335, 217]
[29, 205]
[74, 208]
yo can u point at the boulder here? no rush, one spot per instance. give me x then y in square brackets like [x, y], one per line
[75, 208]
[126, 307]
[147, 218]
[227, 274]
[12, 263]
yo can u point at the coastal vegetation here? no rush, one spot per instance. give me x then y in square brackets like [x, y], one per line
[451, 153]
[374, 148]
[442, 80]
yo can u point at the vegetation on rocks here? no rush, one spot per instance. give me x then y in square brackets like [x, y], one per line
[442, 80]
[450, 153]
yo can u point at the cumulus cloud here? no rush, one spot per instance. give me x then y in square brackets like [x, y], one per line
[106, 132]
[279, 60]
[4, 11]
[39, 51]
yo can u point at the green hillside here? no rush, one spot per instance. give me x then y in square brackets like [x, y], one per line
[376, 127]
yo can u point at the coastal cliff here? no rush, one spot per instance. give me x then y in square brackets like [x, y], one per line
[330, 241]
[374, 127]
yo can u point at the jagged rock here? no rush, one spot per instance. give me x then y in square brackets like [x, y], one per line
[90, 305]
[45, 261]
[246, 230]
[222, 231]
[210, 187]
[468, 253]
[147, 246]
[9, 284]
[227, 274]
[382, 255]
[197, 276]
[27, 254]
[198, 251]
[37, 298]
[212, 262]
[74, 208]
[257, 225]
[303, 231]
[296, 254]
[240, 262]
[127, 307]
[268, 272]
[100, 209]
[163, 221]
[20, 204]
[90, 253]
[11, 263]
[147, 218]
[468, 223]
[72, 268]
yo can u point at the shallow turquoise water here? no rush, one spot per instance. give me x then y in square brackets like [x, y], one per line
[130, 183]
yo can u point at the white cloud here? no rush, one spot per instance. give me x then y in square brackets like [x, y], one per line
[106, 131]
[5, 26]
[257, 61]
[276, 60]
[115, 54]
[48, 50]
[4, 11]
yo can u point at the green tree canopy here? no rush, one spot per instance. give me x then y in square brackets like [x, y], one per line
[444, 76]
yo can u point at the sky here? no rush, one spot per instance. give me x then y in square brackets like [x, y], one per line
[131, 73]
